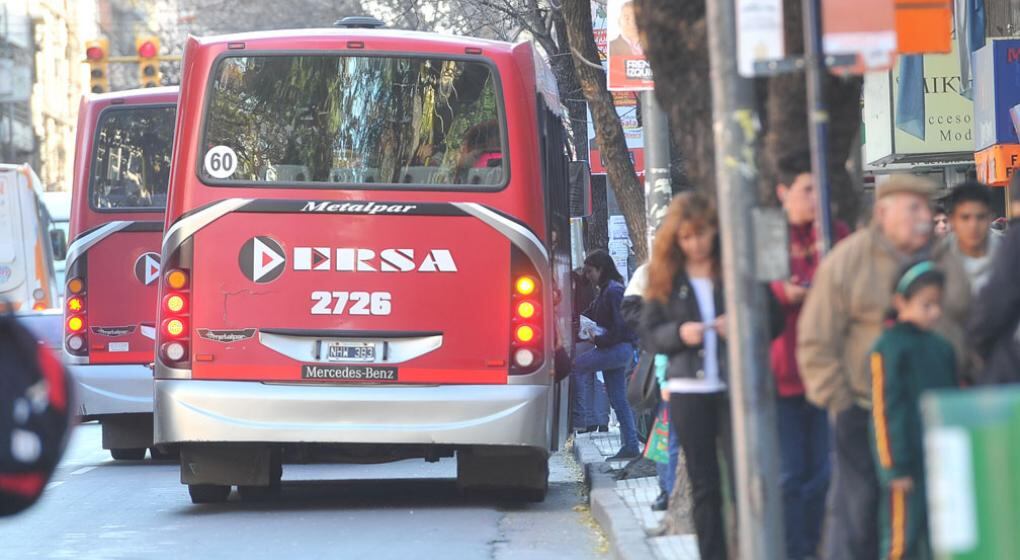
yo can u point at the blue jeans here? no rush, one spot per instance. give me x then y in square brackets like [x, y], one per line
[667, 471]
[613, 363]
[588, 395]
[804, 472]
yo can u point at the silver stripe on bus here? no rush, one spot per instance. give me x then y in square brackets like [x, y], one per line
[184, 228]
[526, 241]
[178, 233]
[85, 242]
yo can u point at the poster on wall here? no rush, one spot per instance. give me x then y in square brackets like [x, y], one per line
[628, 68]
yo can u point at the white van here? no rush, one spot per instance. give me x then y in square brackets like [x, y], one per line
[27, 278]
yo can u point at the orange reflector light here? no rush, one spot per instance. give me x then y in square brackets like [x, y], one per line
[175, 303]
[174, 327]
[177, 279]
[39, 306]
[525, 333]
[75, 304]
[525, 285]
[75, 324]
[526, 310]
[75, 286]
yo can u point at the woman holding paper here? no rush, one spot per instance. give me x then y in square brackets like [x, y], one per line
[613, 351]
[684, 319]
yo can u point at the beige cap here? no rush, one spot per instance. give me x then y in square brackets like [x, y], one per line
[905, 183]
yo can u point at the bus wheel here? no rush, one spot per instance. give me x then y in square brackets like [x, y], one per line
[129, 454]
[208, 493]
[517, 474]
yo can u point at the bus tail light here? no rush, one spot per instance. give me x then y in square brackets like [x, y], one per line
[526, 336]
[176, 303]
[76, 315]
[175, 327]
[175, 351]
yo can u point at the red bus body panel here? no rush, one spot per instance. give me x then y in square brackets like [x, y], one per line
[121, 269]
[470, 307]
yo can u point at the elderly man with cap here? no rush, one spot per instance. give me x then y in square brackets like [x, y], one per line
[995, 319]
[841, 320]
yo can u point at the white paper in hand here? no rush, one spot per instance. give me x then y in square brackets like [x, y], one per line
[589, 329]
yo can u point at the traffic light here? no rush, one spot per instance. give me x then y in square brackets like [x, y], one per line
[96, 53]
[147, 47]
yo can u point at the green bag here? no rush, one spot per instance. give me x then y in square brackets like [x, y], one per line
[658, 441]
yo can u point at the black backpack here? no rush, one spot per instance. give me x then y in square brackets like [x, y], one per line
[35, 415]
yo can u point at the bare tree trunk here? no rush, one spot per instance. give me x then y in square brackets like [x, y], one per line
[678, 53]
[608, 129]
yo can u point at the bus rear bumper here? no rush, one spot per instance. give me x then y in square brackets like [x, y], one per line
[193, 411]
[107, 389]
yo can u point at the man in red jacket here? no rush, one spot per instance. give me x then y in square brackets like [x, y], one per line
[803, 428]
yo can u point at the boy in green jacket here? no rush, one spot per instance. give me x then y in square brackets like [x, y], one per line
[907, 360]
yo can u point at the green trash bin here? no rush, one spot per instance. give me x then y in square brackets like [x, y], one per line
[972, 457]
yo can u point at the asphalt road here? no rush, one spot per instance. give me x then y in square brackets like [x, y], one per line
[98, 508]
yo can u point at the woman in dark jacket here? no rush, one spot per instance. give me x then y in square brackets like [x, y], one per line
[684, 319]
[613, 352]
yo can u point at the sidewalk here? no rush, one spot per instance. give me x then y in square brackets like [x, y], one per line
[623, 508]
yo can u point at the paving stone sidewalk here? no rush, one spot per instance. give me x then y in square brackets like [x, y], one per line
[623, 508]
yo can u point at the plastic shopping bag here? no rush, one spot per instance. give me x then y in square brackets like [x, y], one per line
[658, 441]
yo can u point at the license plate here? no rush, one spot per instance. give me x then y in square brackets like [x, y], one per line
[350, 352]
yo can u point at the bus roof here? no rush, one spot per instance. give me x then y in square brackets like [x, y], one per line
[146, 95]
[386, 39]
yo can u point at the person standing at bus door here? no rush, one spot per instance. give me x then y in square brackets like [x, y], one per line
[684, 319]
[614, 349]
[802, 427]
[590, 406]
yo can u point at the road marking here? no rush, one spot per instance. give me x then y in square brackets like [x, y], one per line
[82, 470]
[54, 484]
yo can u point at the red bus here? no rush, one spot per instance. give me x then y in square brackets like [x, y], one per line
[365, 259]
[122, 170]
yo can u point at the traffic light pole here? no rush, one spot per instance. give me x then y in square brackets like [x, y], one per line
[752, 405]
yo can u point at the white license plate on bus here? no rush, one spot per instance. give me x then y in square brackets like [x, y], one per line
[350, 352]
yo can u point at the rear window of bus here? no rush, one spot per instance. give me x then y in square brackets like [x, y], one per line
[284, 120]
[131, 158]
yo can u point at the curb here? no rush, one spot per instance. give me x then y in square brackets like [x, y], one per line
[627, 537]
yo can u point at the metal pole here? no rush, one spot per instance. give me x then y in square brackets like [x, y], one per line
[658, 190]
[755, 442]
[818, 117]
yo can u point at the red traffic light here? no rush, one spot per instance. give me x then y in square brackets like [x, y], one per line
[94, 53]
[147, 50]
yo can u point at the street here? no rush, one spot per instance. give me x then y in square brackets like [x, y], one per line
[98, 508]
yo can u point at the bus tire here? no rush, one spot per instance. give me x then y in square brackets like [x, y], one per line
[128, 454]
[516, 474]
[208, 493]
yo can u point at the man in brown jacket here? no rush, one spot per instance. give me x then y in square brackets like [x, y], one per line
[841, 320]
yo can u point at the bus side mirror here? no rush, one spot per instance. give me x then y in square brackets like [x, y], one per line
[58, 239]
